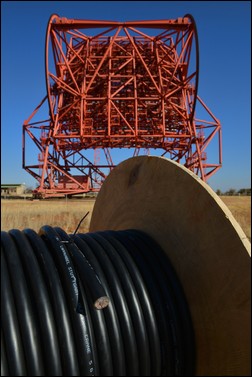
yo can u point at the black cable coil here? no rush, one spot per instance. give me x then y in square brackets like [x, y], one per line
[95, 304]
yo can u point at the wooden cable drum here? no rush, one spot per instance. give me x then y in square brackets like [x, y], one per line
[207, 248]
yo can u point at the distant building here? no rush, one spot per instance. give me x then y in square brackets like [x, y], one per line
[12, 189]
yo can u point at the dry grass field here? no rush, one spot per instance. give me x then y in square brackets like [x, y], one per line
[21, 214]
[240, 206]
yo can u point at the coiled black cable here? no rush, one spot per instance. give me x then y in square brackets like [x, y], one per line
[96, 304]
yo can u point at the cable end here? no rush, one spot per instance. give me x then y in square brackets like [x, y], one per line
[101, 302]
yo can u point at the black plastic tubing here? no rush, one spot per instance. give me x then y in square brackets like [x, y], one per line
[96, 304]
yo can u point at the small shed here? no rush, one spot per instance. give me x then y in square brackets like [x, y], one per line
[12, 189]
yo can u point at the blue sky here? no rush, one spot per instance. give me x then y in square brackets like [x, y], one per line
[224, 30]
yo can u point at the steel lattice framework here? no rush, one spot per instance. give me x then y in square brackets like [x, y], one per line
[111, 85]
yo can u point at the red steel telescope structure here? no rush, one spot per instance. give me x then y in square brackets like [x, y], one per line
[113, 85]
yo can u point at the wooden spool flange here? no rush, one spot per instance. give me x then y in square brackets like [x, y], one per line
[205, 244]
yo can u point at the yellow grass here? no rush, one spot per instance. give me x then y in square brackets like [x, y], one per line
[240, 206]
[21, 214]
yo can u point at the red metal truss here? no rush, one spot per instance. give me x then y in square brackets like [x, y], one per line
[113, 85]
